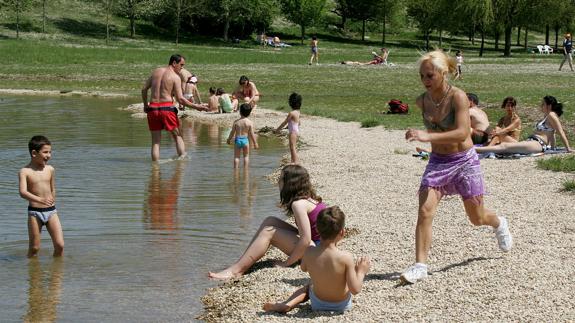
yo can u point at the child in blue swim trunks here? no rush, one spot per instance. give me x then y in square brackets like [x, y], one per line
[37, 186]
[243, 134]
[334, 275]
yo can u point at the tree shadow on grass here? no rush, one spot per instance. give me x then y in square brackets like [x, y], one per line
[81, 27]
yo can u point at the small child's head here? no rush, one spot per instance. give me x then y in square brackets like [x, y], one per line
[509, 102]
[212, 90]
[473, 99]
[38, 144]
[245, 110]
[220, 91]
[295, 101]
[295, 184]
[330, 223]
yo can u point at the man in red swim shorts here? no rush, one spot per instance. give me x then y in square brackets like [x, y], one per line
[165, 84]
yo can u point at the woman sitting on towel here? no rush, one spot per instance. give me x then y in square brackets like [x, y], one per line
[543, 137]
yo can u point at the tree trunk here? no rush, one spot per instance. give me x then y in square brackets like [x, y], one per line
[507, 49]
[482, 43]
[363, 30]
[18, 20]
[227, 26]
[546, 34]
[383, 32]
[108, 21]
[44, 16]
[525, 44]
[440, 38]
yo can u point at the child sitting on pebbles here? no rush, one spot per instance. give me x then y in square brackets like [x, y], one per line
[334, 276]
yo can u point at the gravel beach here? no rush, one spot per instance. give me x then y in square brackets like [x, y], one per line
[372, 175]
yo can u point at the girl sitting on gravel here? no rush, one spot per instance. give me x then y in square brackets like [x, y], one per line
[299, 199]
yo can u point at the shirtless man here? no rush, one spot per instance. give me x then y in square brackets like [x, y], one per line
[248, 92]
[480, 129]
[189, 87]
[165, 84]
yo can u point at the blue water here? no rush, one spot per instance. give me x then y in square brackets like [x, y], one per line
[140, 237]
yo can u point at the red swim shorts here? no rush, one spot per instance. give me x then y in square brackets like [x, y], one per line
[162, 116]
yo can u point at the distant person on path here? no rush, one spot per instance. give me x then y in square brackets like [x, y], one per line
[334, 275]
[189, 86]
[165, 83]
[567, 47]
[509, 126]
[37, 185]
[292, 121]
[247, 92]
[479, 121]
[459, 60]
[314, 51]
[243, 133]
[453, 166]
[299, 199]
[542, 139]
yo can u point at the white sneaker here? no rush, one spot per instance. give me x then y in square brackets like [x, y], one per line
[503, 235]
[414, 273]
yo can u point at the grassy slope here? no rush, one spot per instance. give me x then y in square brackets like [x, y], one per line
[73, 56]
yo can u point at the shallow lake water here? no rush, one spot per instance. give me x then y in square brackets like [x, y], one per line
[139, 237]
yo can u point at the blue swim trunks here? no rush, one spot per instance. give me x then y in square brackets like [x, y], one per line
[42, 213]
[242, 141]
[319, 305]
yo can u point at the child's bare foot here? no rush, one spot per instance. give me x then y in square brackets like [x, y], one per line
[276, 307]
[223, 275]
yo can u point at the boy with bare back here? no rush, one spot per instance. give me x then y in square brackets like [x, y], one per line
[334, 275]
[37, 186]
[243, 131]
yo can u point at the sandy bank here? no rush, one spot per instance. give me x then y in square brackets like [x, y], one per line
[372, 176]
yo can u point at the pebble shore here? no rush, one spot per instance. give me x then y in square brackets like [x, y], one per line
[372, 175]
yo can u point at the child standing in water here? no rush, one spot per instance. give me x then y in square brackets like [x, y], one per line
[37, 185]
[243, 131]
[292, 121]
[314, 51]
[334, 275]
[299, 199]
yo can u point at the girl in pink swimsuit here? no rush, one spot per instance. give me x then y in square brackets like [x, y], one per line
[299, 199]
[292, 121]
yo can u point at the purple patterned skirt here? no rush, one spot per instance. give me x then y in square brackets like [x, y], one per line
[458, 173]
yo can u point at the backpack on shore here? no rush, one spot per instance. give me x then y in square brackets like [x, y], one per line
[397, 107]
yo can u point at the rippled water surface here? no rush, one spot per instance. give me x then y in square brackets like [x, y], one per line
[139, 237]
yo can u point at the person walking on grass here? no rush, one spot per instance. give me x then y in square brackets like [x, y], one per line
[567, 47]
[37, 185]
[453, 166]
[314, 51]
[165, 84]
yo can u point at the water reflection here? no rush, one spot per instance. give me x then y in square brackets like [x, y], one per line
[44, 296]
[243, 192]
[160, 210]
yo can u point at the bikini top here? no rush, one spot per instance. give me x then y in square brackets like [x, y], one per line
[313, 220]
[447, 123]
[542, 126]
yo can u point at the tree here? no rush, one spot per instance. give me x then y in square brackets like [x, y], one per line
[137, 9]
[18, 6]
[304, 13]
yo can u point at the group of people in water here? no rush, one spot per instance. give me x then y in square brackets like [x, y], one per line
[452, 123]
